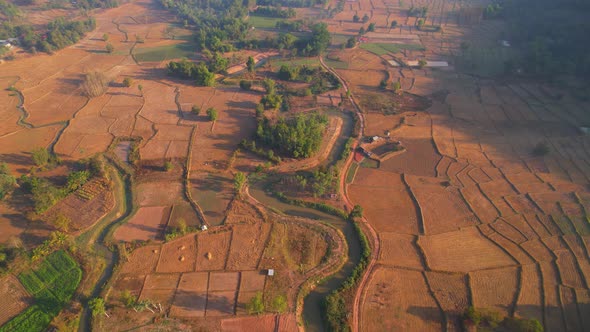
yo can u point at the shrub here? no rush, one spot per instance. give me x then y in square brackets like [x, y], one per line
[40, 157]
[421, 63]
[212, 114]
[255, 305]
[196, 110]
[110, 48]
[245, 85]
[128, 82]
[168, 166]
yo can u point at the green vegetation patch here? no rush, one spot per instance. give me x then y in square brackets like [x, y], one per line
[52, 285]
[161, 53]
[313, 61]
[261, 22]
[351, 172]
[381, 49]
[369, 163]
[335, 63]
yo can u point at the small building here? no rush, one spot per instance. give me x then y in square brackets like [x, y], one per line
[375, 138]
[204, 227]
[505, 43]
[270, 272]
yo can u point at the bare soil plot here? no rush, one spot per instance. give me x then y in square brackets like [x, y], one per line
[496, 289]
[148, 223]
[510, 248]
[399, 250]
[442, 207]
[420, 158]
[399, 299]
[568, 269]
[530, 302]
[16, 148]
[570, 309]
[537, 250]
[223, 281]
[451, 291]
[262, 323]
[553, 313]
[462, 251]
[14, 298]
[252, 281]
[221, 303]
[384, 194]
[247, 245]
[161, 281]
[217, 244]
[213, 193]
[158, 193]
[142, 261]
[130, 283]
[191, 295]
[508, 231]
[162, 296]
[178, 255]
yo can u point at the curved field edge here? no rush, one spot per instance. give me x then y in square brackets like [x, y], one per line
[52, 285]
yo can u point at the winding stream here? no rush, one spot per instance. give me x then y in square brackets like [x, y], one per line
[313, 304]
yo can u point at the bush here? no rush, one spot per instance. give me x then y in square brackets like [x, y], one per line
[255, 305]
[245, 85]
[212, 114]
[40, 157]
[196, 110]
[128, 82]
[110, 48]
[168, 166]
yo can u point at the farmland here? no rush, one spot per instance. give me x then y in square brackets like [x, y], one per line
[169, 148]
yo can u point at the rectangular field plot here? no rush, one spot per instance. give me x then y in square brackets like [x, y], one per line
[399, 300]
[189, 303]
[495, 289]
[221, 303]
[223, 281]
[530, 303]
[178, 255]
[465, 250]
[399, 250]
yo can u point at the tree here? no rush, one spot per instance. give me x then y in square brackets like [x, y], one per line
[140, 88]
[62, 223]
[96, 305]
[128, 82]
[40, 157]
[105, 37]
[110, 48]
[269, 86]
[196, 110]
[128, 299]
[212, 114]
[356, 18]
[351, 42]
[357, 212]
[396, 86]
[168, 166]
[420, 23]
[250, 64]
[383, 84]
[362, 31]
[76, 180]
[393, 24]
[371, 27]
[245, 85]
[255, 305]
[239, 181]
[365, 18]
[422, 63]
[279, 304]
[139, 39]
[7, 180]
[95, 84]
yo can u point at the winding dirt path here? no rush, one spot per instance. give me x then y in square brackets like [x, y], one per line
[373, 237]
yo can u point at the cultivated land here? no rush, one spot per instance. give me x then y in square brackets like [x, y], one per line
[459, 207]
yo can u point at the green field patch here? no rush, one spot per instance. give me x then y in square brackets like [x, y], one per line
[52, 284]
[261, 22]
[381, 49]
[313, 61]
[335, 63]
[351, 172]
[369, 163]
[167, 52]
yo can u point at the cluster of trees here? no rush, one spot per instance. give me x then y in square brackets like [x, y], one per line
[493, 10]
[218, 23]
[553, 35]
[7, 180]
[290, 3]
[45, 194]
[321, 80]
[9, 10]
[89, 4]
[95, 84]
[297, 137]
[319, 182]
[59, 34]
[290, 25]
[190, 70]
[493, 321]
[417, 12]
[272, 99]
[268, 11]
[357, 19]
